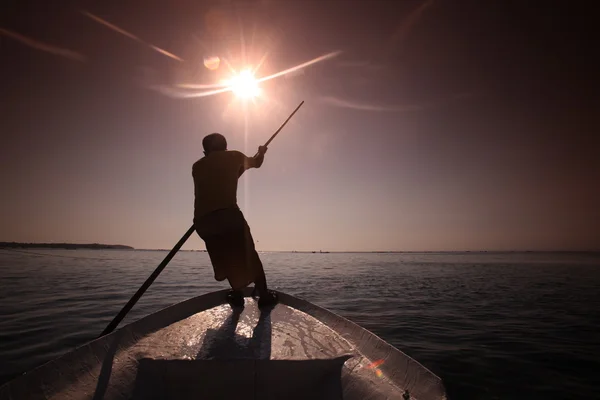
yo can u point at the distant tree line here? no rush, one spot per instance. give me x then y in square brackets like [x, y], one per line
[70, 246]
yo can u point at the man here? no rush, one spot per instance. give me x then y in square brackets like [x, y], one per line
[221, 224]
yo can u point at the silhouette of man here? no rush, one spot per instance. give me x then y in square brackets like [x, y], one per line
[221, 224]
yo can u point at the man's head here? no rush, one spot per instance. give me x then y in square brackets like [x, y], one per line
[214, 142]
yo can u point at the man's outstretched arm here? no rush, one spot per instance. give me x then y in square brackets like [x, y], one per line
[254, 162]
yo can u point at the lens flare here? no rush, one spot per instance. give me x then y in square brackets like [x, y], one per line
[244, 85]
[375, 365]
[212, 63]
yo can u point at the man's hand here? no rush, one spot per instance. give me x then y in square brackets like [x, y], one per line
[259, 157]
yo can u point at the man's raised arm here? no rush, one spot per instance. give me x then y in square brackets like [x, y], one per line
[254, 162]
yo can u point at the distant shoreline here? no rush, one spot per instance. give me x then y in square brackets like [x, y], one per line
[68, 246]
[407, 251]
[99, 246]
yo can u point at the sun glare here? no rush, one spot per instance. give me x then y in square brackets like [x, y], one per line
[244, 85]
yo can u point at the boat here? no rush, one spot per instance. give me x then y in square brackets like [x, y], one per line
[203, 348]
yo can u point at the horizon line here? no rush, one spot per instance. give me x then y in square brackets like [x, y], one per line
[94, 246]
[394, 251]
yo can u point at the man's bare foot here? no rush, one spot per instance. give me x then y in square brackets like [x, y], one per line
[269, 298]
[235, 298]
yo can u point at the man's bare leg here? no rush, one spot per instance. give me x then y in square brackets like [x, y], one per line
[266, 297]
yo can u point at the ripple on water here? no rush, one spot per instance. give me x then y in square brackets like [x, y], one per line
[493, 326]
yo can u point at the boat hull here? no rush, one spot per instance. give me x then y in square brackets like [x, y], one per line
[202, 344]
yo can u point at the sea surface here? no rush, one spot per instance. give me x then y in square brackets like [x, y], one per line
[491, 325]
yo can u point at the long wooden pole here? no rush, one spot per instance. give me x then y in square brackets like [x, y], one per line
[282, 125]
[113, 324]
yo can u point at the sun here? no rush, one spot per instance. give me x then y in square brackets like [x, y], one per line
[244, 85]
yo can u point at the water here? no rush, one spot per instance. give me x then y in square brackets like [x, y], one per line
[491, 325]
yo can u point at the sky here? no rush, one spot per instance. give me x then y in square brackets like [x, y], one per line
[432, 125]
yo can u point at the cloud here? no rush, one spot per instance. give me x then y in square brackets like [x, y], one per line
[398, 37]
[361, 106]
[361, 64]
[129, 35]
[409, 22]
[355, 105]
[71, 55]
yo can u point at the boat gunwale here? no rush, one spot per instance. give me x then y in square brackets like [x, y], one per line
[364, 341]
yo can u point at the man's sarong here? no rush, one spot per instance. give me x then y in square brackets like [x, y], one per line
[230, 246]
